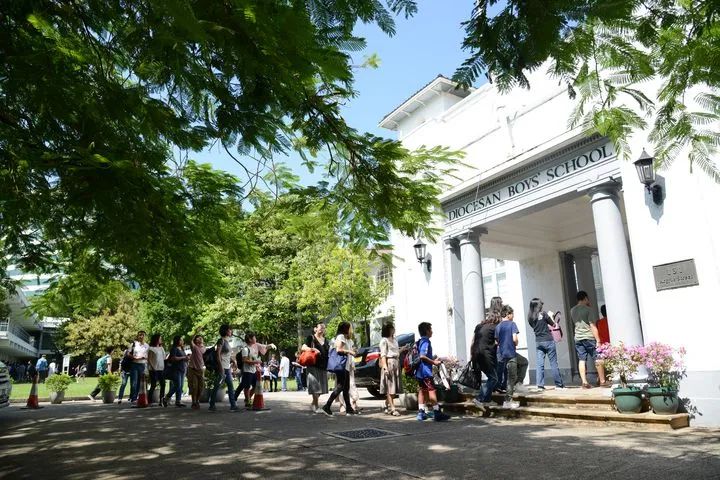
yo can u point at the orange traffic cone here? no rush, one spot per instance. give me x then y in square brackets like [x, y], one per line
[142, 400]
[258, 401]
[32, 402]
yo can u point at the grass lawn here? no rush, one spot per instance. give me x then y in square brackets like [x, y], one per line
[84, 387]
[80, 389]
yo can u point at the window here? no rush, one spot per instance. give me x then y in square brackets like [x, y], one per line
[385, 275]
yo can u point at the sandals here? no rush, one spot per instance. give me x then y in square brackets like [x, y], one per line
[586, 386]
[394, 413]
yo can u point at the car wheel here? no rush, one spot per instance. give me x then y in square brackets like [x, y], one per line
[375, 392]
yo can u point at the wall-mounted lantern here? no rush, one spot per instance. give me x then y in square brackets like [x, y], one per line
[646, 172]
[421, 255]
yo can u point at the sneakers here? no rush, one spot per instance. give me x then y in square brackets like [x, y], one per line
[91, 398]
[511, 405]
[422, 416]
[119, 401]
[520, 388]
[234, 409]
[212, 408]
[326, 410]
[541, 388]
[441, 417]
[478, 403]
[313, 409]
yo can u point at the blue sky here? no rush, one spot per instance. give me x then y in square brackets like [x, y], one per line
[424, 46]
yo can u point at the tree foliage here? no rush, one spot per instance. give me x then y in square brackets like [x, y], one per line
[111, 327]
[606, 52]
[103, 102]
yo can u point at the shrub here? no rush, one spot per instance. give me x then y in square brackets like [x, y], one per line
[666, 365]
[59, 382]
[621, 359]
[108, 382]
[409, 384]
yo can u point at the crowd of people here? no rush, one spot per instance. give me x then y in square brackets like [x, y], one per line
[494, 348]
[493, 354]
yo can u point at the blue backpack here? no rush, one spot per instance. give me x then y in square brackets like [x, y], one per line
[412, 360]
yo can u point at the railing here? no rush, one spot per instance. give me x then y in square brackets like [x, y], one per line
[6, 326]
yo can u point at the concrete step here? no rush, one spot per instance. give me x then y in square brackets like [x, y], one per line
[568, 398]
[576, 414]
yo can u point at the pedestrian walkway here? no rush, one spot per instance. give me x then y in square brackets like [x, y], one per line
[89, 440]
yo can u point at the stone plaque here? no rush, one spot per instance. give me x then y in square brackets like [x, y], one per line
[675, 275]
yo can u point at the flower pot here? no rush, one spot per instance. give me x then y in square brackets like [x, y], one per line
[108, 397]
[57, 397]
[220, 395]
[410, 401]
[664, 401]
[627, 400]
[205, 396]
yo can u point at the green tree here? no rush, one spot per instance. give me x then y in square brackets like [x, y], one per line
[102, 102]
[606, 52]
[111, 327]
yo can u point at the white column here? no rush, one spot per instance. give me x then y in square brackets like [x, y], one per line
[617, 277]
[472, 280]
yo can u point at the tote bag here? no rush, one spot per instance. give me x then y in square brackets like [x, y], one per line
[556, 331]
[469, 377]
[336, 361]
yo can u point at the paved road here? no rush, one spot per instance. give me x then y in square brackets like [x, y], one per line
[85, 440]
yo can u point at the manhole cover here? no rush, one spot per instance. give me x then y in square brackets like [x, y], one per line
[362, 434]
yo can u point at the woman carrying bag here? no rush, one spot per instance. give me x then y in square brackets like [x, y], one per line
[317, 379]
[337, 364]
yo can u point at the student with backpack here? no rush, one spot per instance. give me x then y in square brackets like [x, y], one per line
[423, 373]
[507, 337]
[103, 366]
[541, 324]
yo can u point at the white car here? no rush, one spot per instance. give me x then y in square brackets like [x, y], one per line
[5, 385]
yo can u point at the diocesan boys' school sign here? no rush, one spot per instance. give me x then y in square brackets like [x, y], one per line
[541, 174]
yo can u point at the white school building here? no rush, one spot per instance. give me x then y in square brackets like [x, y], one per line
[541, 210]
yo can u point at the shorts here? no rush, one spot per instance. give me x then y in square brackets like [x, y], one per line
[585, 349]
[426, 384]
[247, 380]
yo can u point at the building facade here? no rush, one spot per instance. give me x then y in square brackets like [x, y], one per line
[23, 336]
[542, 210]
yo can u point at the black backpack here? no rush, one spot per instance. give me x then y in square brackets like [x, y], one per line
[210, 358]
[126, 361]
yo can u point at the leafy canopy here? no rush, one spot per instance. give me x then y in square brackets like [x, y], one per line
[103, 102]
[606, 50]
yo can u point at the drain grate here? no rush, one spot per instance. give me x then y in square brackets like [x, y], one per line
[362, 434]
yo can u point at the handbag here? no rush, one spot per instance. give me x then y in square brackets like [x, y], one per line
[556, 331]
[308, 358]
[336, 361]
[469, 378]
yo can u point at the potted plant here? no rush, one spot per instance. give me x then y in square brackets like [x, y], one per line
[624, 361]
[210, 377]
[410, 389]
[108, 384]
[666, 367]
[57, 384]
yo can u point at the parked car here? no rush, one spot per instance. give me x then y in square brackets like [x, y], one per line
[5, 385]
[367, 364]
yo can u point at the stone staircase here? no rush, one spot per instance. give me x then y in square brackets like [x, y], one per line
[571, 405]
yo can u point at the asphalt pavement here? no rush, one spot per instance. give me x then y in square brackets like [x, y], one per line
[86, 440]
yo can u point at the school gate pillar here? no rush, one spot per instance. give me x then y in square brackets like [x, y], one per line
[617, 277]
[472, 281]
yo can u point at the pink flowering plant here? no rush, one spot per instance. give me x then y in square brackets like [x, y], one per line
[665, 365]
[622, 360]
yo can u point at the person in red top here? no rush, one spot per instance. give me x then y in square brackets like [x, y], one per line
[602, 326]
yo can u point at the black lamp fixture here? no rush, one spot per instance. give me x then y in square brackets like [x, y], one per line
[646, 172]
[421, 255]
